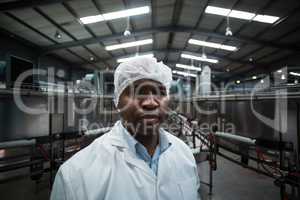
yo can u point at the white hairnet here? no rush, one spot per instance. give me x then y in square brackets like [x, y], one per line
[140, 68]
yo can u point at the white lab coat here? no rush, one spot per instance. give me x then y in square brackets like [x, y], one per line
[107, 170]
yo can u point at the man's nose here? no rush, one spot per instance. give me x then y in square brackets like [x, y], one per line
[150, 102]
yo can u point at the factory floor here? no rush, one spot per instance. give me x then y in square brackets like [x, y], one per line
[231, 182]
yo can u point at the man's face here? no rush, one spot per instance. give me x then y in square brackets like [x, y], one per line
[143, 106]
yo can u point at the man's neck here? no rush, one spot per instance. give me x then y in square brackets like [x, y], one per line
[150, 142]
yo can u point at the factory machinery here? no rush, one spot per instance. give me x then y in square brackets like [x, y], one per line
[263, 129]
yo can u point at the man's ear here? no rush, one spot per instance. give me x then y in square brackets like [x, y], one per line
[120, 106]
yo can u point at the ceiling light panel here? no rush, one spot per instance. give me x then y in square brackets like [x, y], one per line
[217, 10]
[126, 13]
[294, 73]
[241, 14]
[200, 58]
[120, 60]
[188, 67]
[129, 44]
[204, 43]
[213, 45]
[92, 19]
[184, 73]
[265, 19]
[115, 15]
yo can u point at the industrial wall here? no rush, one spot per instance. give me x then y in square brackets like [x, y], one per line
[10, 46]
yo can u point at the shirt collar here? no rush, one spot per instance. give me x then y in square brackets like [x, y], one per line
[164, 142]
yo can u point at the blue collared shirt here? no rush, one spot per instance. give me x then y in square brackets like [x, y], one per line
[141, 152]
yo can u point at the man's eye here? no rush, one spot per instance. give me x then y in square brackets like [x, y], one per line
[163, 93]
[141, 92]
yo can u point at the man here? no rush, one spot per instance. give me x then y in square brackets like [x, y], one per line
[136, 160]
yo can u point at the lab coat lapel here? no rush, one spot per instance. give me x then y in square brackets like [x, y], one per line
[138, 163]
[119, 142]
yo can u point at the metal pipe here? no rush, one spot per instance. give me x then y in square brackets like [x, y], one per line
[17, 143]
[236, 137]
[19, 165]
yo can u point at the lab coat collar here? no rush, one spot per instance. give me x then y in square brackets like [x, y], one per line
[115, 136]
[117, 139]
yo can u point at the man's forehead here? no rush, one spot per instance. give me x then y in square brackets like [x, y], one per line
[148, 82]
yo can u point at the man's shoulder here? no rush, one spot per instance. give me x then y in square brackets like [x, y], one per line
[97, 150]
[177, 143]
[180, 152]
[173, 139]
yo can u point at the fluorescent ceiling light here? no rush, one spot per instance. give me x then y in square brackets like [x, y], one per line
[228, 47]
[189, 67]
[184, 73]
[217, 10]
[92, 19]
[294, 74]
[241, 14]
[126, 13]
[188, 56]
[213, 45]
[266, 18]
[115, 15]
[120, 60]
[129, 44]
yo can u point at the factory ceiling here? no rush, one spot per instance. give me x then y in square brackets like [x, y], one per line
[54, 27]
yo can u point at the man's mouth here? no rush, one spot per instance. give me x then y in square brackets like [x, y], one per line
[150, 119]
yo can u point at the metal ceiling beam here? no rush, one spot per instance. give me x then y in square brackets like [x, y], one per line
[172, 50]
[279, 22]
[224, 20]
[107, 23]
[216, 56]
[178, 6]
[246, 24]
[241, 39]
[132, 25]
[19, 39]
[274, 65]
[202, 12]
[87, 28]
[21, 4]
[20, 21]
[153, 23]
[39, 32]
